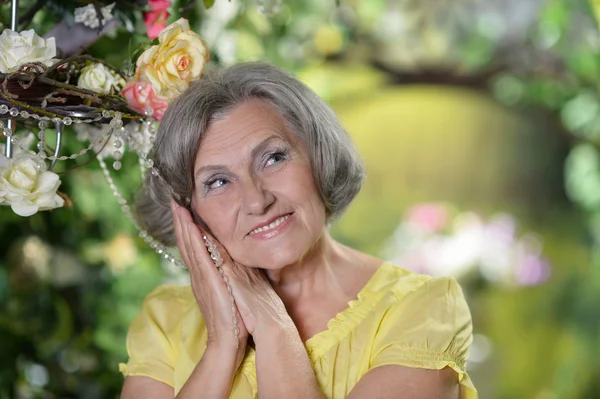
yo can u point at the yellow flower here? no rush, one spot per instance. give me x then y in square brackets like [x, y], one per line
[177, 59]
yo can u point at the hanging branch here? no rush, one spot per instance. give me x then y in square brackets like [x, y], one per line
[60, 91]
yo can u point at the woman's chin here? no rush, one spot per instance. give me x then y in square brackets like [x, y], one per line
[270, 262]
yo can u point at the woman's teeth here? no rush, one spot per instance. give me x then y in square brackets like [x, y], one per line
[272, 225]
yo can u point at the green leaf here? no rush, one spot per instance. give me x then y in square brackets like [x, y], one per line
[209, 3]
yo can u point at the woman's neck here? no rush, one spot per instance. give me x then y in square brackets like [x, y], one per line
[316, 272]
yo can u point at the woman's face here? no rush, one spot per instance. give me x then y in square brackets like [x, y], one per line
[255, 189]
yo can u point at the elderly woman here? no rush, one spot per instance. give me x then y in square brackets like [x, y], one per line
[252, 166]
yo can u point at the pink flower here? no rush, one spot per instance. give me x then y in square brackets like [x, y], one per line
[429, 217]
[159, 5]
[155, 22]
[141, 98]
[532, 270]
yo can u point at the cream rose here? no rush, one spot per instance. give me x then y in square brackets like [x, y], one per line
[17, 49]
[178, 58]
[96, 77]
[26, 186]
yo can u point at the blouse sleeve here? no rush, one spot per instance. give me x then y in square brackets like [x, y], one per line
[152, 340]
[428, 328]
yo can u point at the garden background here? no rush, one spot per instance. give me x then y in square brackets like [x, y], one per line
[479, 124]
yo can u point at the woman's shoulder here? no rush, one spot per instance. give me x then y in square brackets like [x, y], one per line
[169, 297]
[408, 286]
[425, 322]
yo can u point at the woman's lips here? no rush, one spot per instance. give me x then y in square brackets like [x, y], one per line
[273, 229]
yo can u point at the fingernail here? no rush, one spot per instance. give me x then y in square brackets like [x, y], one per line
[173, 206]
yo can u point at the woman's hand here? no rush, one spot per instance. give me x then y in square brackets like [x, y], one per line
[208, 287]
[257, 302]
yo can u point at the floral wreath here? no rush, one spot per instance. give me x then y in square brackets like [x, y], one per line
[38, 91]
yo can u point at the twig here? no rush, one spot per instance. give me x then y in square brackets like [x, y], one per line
[27, 106]
[5, 91]
[82, 95]
[49, 98]
[99, 17]
[186, 8]
[68, 202]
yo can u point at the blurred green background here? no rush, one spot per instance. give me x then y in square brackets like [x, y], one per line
[479, 124]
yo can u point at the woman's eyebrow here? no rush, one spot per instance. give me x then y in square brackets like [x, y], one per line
[263, 144]
[259, 148]
[208, 168]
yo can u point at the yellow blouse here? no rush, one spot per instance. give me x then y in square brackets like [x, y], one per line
[399, 317]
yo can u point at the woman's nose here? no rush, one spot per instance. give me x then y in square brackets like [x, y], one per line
[256, 199]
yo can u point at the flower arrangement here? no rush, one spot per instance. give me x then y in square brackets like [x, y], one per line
[105, 107]
[435, 239]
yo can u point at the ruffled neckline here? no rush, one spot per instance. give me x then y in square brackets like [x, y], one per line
[356, 311]
[346, 320]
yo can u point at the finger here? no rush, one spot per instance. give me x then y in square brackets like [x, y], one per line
[195, 261]
[179, 232]
[199, 252]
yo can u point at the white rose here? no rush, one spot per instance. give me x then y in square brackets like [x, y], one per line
[26, 186]
[96, 77]
[17, 49]
[87, 15]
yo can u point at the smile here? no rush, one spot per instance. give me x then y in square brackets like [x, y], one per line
[271, 226]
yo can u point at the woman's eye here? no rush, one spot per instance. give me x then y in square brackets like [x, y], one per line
[275, 158]
[216, 183]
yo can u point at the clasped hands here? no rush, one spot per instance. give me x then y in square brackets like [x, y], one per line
[259, 309]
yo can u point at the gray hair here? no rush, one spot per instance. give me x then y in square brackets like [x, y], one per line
[336, 167]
